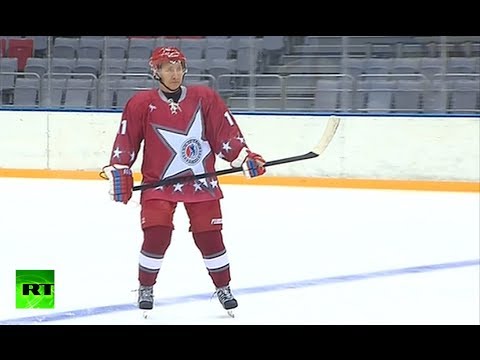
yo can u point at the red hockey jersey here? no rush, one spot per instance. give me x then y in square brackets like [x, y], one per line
[178, 139]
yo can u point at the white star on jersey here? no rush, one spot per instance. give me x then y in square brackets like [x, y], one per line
[117, 152]
[178, 144]
[226, 146]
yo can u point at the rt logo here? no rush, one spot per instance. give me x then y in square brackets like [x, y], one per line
[35, 289]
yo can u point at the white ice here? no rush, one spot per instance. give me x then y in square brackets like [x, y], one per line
[297, 255]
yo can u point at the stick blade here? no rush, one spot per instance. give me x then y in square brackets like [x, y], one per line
[327, 135]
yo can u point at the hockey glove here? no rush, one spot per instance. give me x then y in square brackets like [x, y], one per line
[251, 163]
[121, 182]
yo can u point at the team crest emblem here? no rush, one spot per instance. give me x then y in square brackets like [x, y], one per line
[191, 151]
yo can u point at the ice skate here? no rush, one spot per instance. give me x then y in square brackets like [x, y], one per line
[145, 299]
[227, 300]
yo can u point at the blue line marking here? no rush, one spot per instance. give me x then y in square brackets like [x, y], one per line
[258, 112]
[101, 310]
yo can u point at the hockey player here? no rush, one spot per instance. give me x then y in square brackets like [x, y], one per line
[183, 129]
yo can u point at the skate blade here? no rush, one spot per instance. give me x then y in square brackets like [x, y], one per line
[231, 313]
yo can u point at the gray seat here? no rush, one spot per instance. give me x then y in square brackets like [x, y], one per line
[198, 79]
[465, 96]
[116, 48]
[407, 96]
[218, 67]
[193, 48]
[65, 47]
[114, 65]
[53, 91]
[379, 101]
[411, 50]
[235, 42]
[8, 65]
[216, 51]
[79, 93]
[249, 55]
[138, 66]
[90, 48]
[141, 48]
[384, 51]
[461, 65]
[36, 65]
[435, 97]
[40, 46]
[405, 66]
[87, 66]
[325, 46]
[360, 95]
[26, 92]
[273, 49]
[106, 92]
[128, 87]
[429, 67]
[326, 95]
[62, 65]
[346, 87]
[197, 66]
[354, 66]
[378, 66]
[472, 49]
[334, 94]
[378, 94]
[168, 42]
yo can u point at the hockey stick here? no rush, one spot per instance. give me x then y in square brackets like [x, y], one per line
[327, 136]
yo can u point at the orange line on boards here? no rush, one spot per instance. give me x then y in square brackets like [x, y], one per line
[424, 185]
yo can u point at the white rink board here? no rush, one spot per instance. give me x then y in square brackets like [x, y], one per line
[375, 147]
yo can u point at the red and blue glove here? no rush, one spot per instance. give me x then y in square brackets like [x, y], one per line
[252, 164]
[121, 182]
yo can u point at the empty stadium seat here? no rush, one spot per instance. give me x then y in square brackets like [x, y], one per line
[334, 94]
[116, 48]
[90, 47]
[218, 49]
[65, 47]
[114, 65]
[193, 48]
[465, 96]
[36, 65]
[127, 87]
[80, 93]
[407, 96]
[141, 48]
[88, 66]
[435, 98]
[139, 66]
[26, 92]
[8, 69]
[52, 91]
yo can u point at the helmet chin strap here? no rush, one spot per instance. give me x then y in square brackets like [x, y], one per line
[172, 90]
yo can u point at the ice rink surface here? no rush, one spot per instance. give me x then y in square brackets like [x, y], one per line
[297, 256]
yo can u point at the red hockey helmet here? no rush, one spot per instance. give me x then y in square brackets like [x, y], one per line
[167, 54]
